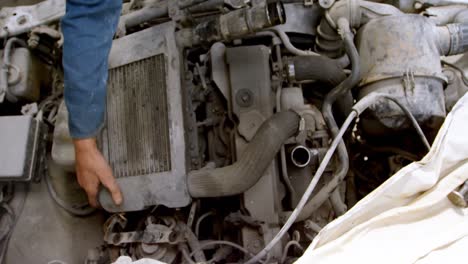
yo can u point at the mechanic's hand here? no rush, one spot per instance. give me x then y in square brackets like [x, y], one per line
[92, 169]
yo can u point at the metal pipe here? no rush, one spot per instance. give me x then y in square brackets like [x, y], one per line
[301, 156]
[145, 14]
[6, 68]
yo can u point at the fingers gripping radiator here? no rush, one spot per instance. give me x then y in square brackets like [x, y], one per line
[143, 139]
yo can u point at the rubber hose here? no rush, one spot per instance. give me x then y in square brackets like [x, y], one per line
[326, 70]
[318, 68]
[245, 173]
[343, 159]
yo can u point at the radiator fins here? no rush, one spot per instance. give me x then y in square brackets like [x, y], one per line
[137, 118]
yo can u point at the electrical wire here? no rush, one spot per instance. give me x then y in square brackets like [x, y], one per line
[225, 243]
[460, 70]
[286, 249]
[7, 211]
[221, 242]
[84, 210]
[187, 257]
[200, 219]
[413, 120]
[20, 201]
[371, 98]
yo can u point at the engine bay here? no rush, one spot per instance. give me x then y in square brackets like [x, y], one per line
[236, 129]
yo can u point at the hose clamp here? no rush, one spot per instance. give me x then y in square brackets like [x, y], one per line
[301, 131]
[291, 71]
[454, 38]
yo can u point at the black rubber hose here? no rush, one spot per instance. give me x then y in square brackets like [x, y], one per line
[258, 155]
[318, 68]
[339, 91]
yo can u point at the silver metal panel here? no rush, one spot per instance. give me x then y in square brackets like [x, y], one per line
[21, 148]
[148, 128]
[249, 69]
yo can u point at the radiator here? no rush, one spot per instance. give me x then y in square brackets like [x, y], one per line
[137, 118]
[143, 138]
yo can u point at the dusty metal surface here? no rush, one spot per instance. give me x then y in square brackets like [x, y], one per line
[44, 232]
[164, 185]
[218, 134]
[250, 93]
[17, 20]
[401, 57]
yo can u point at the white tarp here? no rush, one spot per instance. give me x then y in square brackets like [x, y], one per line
[408, 219]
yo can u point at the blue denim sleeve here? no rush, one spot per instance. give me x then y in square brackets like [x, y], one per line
[88, 28]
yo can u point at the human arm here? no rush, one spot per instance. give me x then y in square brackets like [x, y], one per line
[88, 28]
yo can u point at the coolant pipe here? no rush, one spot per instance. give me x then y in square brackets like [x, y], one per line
[343, 159]
[252, 164]
[301, 156]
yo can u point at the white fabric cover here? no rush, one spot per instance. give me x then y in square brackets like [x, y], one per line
[408, 219]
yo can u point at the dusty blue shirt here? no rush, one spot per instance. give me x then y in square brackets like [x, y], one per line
[88, 28]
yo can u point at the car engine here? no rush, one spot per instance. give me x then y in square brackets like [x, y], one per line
[236, 129]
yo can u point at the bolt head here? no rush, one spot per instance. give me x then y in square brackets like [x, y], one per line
[457, 199]
[21, 20]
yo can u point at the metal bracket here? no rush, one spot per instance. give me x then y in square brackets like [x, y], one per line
[237, 4]
[18, 20]
[408, 80]
[153, 234]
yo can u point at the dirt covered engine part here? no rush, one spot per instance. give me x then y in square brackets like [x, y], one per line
[236, 130]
